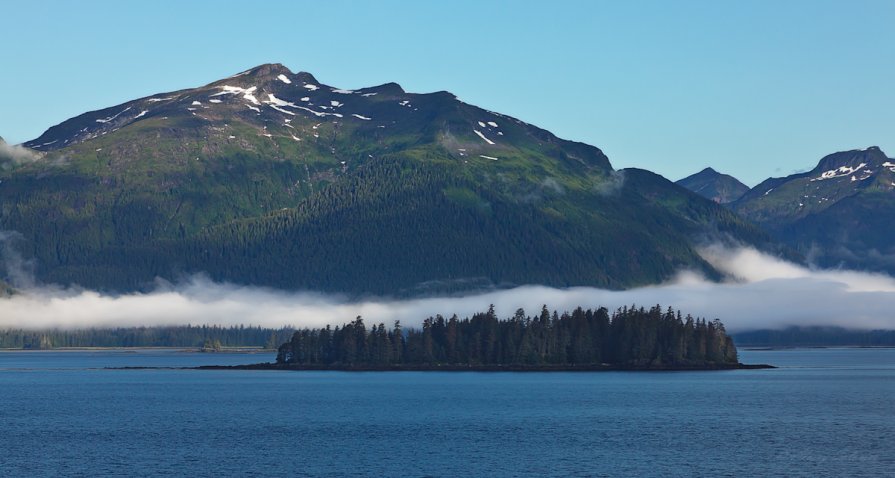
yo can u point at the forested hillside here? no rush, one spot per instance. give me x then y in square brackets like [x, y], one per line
[272, 178]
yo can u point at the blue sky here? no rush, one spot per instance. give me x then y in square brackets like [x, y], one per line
[754, 89]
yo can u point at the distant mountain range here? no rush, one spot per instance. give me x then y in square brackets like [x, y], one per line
[839, 214]
[710, 184]
[272, 178]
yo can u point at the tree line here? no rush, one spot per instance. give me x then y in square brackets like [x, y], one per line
[630, 336]
[204, 336]
[817, 336]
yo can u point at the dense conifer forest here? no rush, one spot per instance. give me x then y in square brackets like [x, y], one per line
[202, 336]
[396, 226]
[631, 336]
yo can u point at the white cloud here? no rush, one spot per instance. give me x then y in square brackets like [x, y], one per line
[16, 154]
[767, 293]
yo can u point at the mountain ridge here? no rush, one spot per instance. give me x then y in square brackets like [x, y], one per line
[838, 214]
[313, 98]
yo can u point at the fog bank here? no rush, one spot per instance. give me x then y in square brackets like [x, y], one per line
[763, 292]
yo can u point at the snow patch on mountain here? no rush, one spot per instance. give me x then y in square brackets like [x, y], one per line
[840, 172]
[110, 118]
[281, 110]
[318, 113]
[230, 90]
[483, 137]
[247, 93]
[275, 102]
[272, 99]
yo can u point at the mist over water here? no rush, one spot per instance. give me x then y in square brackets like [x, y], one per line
[762, 292]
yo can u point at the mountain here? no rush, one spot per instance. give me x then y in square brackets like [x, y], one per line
[272, 178]
[708, 183]
[838, 214]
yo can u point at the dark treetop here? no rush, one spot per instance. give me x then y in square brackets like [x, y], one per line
[629, 338]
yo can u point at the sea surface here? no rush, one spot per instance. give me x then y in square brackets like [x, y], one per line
[824, 412]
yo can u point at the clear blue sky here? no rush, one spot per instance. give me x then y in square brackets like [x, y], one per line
[755, 89]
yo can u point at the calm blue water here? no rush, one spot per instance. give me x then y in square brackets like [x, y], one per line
[826, 412]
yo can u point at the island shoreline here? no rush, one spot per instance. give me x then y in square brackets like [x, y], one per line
[467, 368]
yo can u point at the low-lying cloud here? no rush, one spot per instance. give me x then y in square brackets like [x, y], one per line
[15, 155]
[19, 272]
[762, 292]
[612, 185]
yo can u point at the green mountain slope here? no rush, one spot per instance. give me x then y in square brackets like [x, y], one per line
[710, 184]
[838, 214]
[436, 229]
[271, 178]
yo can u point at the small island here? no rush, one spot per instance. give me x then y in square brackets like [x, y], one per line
[631, 338]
